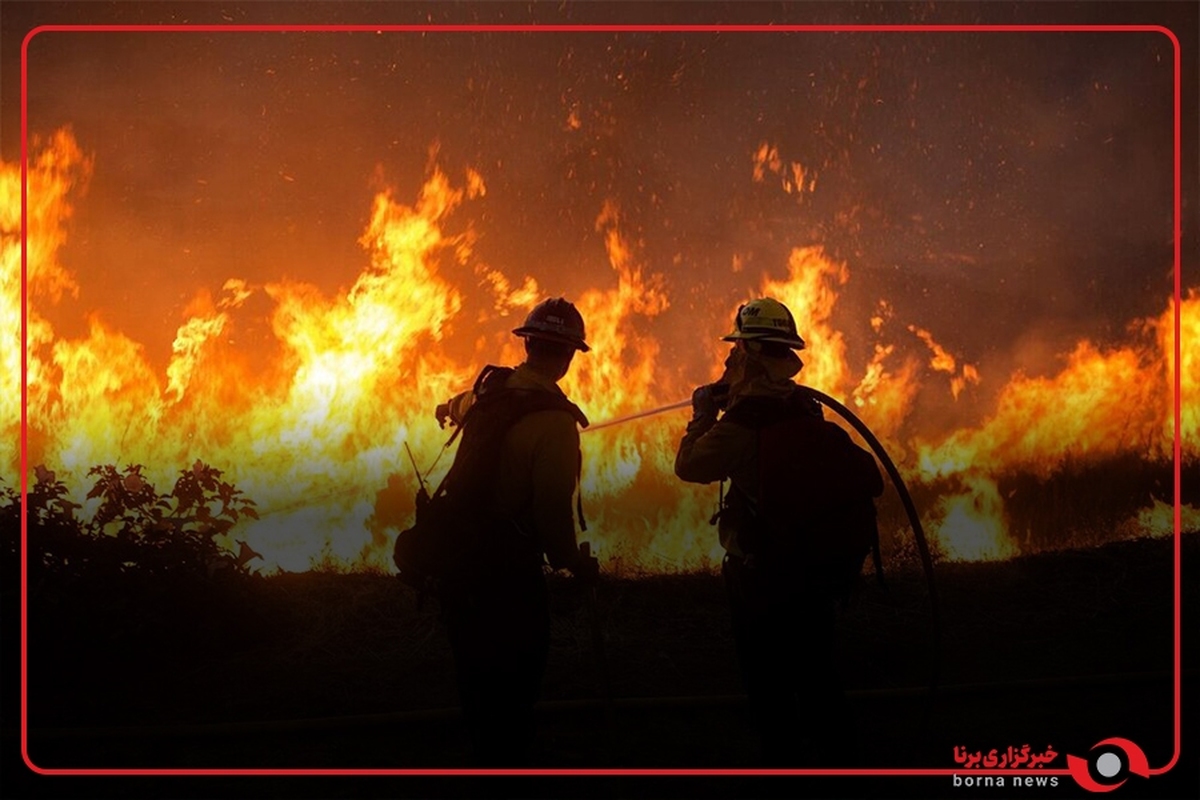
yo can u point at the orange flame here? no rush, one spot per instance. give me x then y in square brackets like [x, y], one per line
[793, 179]
[943, 361]
[314, 427]
[970, 527]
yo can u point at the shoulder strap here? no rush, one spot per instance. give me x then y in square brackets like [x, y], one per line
[492, 383]
[491, 378]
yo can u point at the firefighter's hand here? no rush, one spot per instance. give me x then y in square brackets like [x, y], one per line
[708, 400]
[443, 414]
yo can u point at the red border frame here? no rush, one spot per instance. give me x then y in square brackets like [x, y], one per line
[587, 29]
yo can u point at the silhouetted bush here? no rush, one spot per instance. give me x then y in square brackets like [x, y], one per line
[135, 530]
[144, 570]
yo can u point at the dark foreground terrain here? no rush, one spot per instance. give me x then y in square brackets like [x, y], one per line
[323, 671]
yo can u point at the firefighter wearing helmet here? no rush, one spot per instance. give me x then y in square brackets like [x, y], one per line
[497, 616]
[750, 428]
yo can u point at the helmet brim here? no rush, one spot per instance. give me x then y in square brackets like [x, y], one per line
[794, 342]
[534, 333]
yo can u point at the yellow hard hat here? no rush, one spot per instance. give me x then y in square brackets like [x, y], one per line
[766, 320]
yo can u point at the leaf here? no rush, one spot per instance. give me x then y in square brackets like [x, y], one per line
[246, 553]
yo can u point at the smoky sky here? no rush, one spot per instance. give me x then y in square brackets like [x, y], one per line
[994, 187]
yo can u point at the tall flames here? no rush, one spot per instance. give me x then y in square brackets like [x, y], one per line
[313, 425]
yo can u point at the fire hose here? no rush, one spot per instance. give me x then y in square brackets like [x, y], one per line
[354, 489]
[639, 415]
[914, 520]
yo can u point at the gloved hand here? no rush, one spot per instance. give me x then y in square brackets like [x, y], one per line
[708, 400]
[443, 414]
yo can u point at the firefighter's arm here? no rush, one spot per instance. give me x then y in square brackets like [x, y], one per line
[711, 450]
[555, 467]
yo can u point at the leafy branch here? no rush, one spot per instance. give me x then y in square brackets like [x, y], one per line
[135, 528]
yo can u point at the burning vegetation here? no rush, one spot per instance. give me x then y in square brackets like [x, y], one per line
[311, 423]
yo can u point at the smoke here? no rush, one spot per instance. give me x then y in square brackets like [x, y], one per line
[979, 182]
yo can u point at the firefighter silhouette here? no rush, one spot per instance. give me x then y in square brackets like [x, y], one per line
[514, 478]
[796, 524]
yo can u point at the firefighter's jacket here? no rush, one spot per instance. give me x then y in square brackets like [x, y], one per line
[538, 472]
[715, 450]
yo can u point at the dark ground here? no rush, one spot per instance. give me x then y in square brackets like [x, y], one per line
[308, 671]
